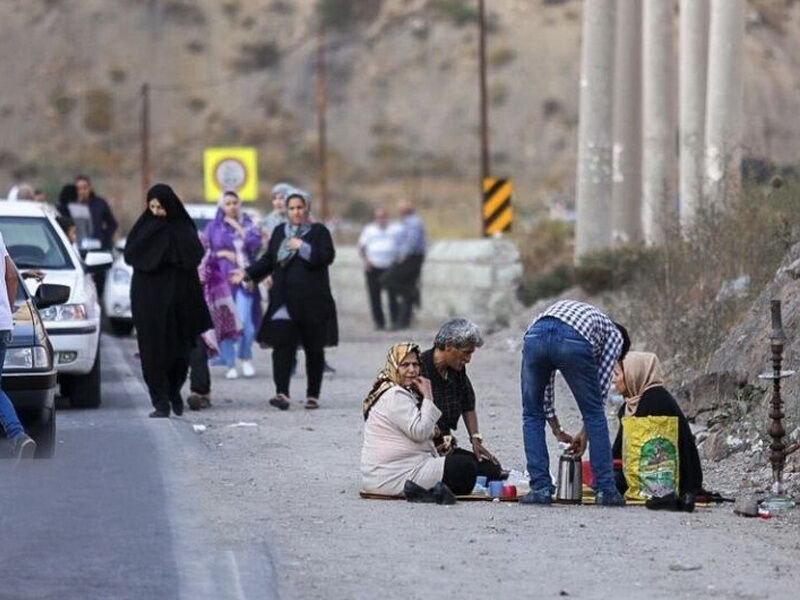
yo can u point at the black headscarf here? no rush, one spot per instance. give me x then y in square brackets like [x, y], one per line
[154, 241]
[67, 195]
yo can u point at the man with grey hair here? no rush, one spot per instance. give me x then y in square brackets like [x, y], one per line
[445, 366]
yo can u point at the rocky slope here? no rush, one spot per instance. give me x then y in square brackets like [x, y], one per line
[403, 92]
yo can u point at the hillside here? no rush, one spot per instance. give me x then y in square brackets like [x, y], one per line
[403, 94]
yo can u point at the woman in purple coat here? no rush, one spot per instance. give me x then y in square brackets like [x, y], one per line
[234, 242]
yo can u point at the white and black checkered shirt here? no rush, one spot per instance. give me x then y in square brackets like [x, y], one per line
[599, 331]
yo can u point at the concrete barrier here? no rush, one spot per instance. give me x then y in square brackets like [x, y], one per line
[477, 279]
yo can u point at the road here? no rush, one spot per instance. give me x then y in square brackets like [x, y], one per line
[114, 515]
[264, 504]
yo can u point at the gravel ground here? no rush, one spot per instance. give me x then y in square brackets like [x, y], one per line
[294, 477]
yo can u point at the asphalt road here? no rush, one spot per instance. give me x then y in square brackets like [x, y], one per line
[114, 515]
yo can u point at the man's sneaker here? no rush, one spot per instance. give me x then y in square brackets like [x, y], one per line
[247, 368]
[232, 374]
[24, 446]
[609, 498]
[540, 496]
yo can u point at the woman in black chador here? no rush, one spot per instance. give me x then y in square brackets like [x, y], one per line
[167, 303]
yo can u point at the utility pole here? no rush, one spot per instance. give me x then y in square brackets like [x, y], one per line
[693, 67]
[659, 206]
[724, 100]
[595, 128]
[627, 197]
[485, 167]
[322, 132]
[145, 139]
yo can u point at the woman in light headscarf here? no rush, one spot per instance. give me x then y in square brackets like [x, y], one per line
[399, 429]
[640, 381]
[234, 242]
[167, 303]
[301, 308]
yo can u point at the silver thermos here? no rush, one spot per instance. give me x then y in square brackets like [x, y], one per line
[570, 480]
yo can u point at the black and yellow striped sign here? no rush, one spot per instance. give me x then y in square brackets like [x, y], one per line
[497, 211]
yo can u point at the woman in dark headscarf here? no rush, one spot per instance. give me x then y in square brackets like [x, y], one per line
[301, 307]
[167, 303]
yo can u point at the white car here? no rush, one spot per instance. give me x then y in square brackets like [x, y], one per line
[117, 291]
[36, 241]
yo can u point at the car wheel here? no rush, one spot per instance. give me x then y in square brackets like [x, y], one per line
[84, 391]
[44, 434]
[121, 327]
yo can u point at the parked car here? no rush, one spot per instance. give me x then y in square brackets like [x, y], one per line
[29, 375]
[117, 291]
[35, 241]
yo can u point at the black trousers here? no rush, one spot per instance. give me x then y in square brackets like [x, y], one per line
[374, 289]
[402, 279]
[487, 468]
[288, 335]
[200, 377]
[164, 381]
[460, 471]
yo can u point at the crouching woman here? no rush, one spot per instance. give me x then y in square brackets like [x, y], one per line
[400, 425]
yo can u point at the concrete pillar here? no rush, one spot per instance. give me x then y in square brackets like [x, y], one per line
[627, 203]
[659, 203]
[724, 100]
[693, 57]
[593, 228]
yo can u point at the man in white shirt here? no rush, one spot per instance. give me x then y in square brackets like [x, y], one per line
[377, 247]
[24, 446]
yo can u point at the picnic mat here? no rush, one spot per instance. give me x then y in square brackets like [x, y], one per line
[588, 498]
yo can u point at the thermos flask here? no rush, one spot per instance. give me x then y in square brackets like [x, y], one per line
[570, 480]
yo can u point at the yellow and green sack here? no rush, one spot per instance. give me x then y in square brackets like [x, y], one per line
[650, 456]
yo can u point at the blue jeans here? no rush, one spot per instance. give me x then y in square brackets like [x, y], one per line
[227, 351]
[550, 345]
[8, 416]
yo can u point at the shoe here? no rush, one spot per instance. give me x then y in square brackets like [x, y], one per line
[247, 368]
[417, 493]
[328, 369]
[540, 496]
[686, 502]
[177, 407]
[311, 403]
[280, 401]
[232, 373]
[609, 498]
[159, 414]
[668, 502]
[443, 495]
[24, 446]
[194, 401]
[205, 401]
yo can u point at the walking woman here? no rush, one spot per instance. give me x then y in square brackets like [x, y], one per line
[234, 242]
[166, 298]
[301, 308]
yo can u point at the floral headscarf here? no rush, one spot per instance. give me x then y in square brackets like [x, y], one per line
[390, 375]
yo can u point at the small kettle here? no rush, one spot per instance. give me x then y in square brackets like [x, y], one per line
[570, 479]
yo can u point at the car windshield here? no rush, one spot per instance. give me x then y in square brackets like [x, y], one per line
[33, 243]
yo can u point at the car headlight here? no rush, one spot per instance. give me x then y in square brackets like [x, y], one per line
[27, 358]
[64, 312]
[121, 276]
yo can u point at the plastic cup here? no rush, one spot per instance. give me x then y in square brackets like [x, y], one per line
[496, 489]
[509, 492]
[481, 480]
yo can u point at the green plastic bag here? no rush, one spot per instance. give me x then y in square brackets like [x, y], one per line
[650, 456]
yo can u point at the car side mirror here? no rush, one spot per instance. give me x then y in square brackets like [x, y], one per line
[50, 294]
[97, 261]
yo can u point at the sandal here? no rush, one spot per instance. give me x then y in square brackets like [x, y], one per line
[311, 403]
[280, 401]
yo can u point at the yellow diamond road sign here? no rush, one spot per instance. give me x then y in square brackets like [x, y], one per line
[234, 168]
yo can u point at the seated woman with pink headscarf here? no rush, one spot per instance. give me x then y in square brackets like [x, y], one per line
[640, 381]
[399, 429]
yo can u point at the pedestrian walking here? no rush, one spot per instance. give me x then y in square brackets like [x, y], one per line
[167, 303]
[301, 307]
[22, 445]
[234, 242]
[377, 247]
[104, 225]
[278, 214]
[403, 277]
[584, 344]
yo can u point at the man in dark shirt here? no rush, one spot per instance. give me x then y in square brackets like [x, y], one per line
[444, 365]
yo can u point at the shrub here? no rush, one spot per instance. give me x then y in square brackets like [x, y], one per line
[342, 15]
[99, 111]
[257, 57]
[502, 56]
[551, 283]
[183, 12]
[458, 11]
